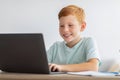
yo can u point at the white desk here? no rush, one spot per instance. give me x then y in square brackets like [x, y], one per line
[22, 76]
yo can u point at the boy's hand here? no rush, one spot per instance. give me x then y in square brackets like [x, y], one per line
[55, 67]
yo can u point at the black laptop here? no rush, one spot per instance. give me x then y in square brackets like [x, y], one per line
[23, 53]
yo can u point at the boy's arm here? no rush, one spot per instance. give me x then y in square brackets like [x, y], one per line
[91, 65]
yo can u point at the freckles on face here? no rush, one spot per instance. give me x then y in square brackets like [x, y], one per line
[69, 27]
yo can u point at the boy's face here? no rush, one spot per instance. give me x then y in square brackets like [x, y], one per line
[70, 28]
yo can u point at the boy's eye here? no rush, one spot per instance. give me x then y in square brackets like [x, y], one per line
[70, 25]
[61, 26]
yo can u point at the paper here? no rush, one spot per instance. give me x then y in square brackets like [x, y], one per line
[93, 73]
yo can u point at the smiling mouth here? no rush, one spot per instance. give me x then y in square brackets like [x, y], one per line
[67, 35]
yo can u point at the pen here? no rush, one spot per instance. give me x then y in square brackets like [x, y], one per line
[115, 73]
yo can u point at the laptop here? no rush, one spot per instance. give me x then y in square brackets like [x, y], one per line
[23, 53]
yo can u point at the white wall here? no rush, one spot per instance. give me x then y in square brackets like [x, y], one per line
[103, 16]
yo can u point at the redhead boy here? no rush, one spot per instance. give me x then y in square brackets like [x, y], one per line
[75, 53]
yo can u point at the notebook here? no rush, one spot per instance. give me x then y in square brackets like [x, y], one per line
[23, 53]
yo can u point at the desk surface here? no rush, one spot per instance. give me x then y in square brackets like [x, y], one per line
[22, 76]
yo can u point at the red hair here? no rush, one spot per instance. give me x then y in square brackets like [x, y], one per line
[73, 10]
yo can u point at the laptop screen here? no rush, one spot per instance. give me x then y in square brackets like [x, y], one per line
[23, 52]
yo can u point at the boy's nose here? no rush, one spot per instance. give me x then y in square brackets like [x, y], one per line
[66, 29]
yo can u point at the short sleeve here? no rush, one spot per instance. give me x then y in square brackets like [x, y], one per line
[92, 49]
[51, 52]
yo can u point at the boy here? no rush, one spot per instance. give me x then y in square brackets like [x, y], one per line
[75, 53]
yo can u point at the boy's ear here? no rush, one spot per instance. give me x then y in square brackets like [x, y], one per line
[83, 26]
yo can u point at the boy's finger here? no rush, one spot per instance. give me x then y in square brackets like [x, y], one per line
[54, 68]
[51, 67]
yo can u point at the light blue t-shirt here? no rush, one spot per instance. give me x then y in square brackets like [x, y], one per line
[84, 50]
